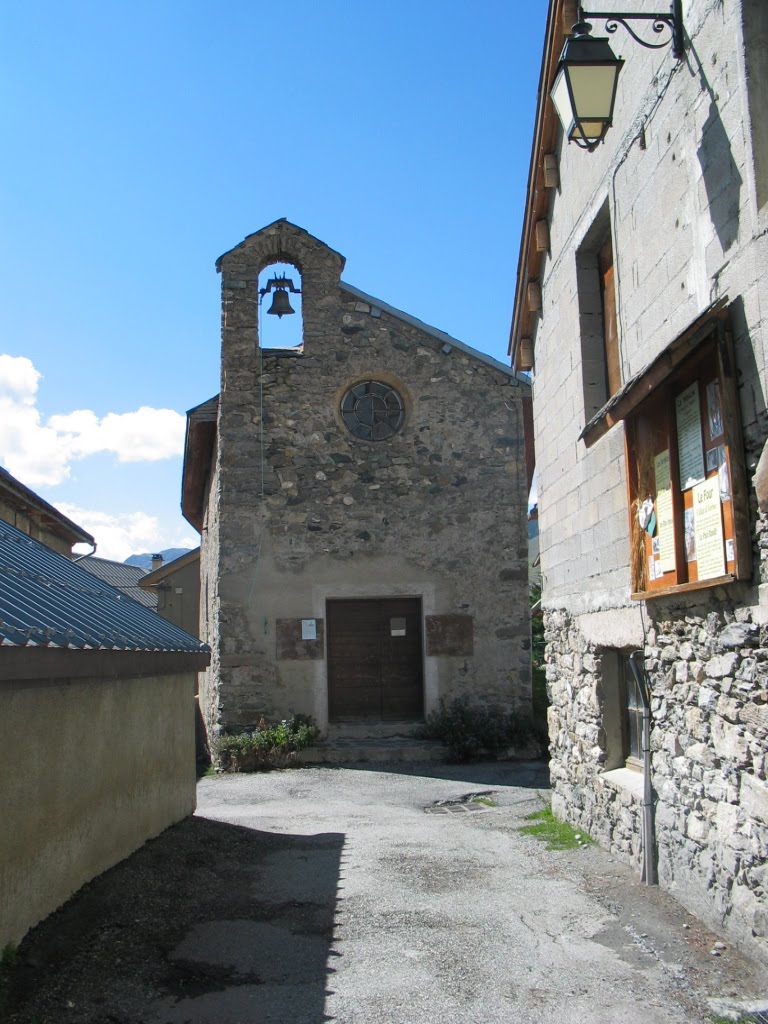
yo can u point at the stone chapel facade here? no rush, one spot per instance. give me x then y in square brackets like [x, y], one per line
[362, 506]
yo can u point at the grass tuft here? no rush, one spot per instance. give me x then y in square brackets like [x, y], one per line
[556, 834]
[744, 1018]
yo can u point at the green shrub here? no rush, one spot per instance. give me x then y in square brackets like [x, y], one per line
[267, 747]
[473, 731]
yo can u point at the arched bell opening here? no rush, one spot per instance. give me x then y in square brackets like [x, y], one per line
[281, 321]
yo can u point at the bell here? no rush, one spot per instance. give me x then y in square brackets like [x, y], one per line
[280, 303]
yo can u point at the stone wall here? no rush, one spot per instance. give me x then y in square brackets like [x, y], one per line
[210, 548]
[304, 511]
[609, 811]
[709, 676]
[710, 742]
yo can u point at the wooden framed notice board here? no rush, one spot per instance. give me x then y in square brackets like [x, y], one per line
[688, 509]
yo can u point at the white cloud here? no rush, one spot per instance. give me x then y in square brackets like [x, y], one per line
[40, 453]
[18, 379]
[147, 435]
[129, 533]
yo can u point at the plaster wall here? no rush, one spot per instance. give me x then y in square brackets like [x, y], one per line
[677, 173]
[178, 597]
[91, 770]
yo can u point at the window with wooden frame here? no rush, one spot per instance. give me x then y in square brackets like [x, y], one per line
[631, 715]
[610, 323]
[598, 322]
[622, 711]
[688, 504]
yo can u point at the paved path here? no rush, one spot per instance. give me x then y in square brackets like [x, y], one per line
[458, 917]
[341, 895]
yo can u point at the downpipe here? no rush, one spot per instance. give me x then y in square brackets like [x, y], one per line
[649, 875]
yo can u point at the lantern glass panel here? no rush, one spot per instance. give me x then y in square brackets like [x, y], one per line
[592, 87]
[589, 131]
[562, 101]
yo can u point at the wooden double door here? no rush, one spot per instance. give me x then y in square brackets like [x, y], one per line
[375, 664]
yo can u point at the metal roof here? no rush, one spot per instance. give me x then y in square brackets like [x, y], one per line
[48, 601]
[124, 577]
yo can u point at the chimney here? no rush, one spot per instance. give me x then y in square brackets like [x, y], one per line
[157, 561]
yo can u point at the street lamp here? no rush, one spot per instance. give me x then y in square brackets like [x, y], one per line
[584, 89]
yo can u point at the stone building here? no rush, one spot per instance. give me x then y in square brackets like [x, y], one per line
[642, 308]
[361, 500]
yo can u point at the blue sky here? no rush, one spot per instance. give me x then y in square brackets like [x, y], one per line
[143, 140]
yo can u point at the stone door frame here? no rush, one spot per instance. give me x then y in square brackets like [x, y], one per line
[362, 591]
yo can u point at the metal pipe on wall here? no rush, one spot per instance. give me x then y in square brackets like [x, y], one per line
[650, 875]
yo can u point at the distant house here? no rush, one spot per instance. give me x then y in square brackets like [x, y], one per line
[123, 576]
[97, 736]
[174, 589]
[29, 513]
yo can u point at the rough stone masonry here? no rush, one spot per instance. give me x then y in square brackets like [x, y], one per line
[298, 511]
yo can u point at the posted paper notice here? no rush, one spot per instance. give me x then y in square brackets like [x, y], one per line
[666, 526]
[708, 528]
[689, 446]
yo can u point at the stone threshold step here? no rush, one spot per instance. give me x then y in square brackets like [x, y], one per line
[368, 730]
[348, 751]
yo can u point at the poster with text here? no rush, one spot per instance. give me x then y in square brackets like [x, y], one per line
[666, 524]
[689, 446]
[708, 529]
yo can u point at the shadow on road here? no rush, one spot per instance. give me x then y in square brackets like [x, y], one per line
[210, 922]
[523, 774]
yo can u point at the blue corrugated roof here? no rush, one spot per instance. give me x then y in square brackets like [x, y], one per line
[48, 601]
[119, 574]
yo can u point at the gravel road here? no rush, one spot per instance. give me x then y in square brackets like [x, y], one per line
[354, 895]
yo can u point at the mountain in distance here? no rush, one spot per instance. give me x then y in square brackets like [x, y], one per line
[145, 561]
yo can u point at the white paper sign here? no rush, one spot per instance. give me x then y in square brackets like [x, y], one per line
[708, 527]
[309, 629]
[689, 446]
[664, 518]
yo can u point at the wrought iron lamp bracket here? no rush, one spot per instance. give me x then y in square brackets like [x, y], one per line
[672, 20]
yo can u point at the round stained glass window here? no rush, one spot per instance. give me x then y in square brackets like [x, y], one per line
[372, 410]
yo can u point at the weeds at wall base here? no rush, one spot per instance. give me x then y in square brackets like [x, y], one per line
[554, 833]
[474, 732]
[265, 748]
